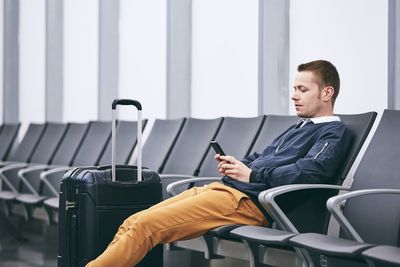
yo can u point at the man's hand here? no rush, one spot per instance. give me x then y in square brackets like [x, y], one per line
[233, 168]
[220, 162]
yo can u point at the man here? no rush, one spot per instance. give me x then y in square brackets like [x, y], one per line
[309, 152]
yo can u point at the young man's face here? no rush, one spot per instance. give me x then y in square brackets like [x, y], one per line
[307, 97]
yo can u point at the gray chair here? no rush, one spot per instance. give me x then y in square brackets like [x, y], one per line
[236, 136]
[89, 153]
[224, 243]
[30, 177]
[24, 150]
[125, 142]
[274, 126]
[8, 134]
[271, 128]
[369, 213]
[160, 143]
[189, 150]
[42, 154]
[300, 208]
[22, 153]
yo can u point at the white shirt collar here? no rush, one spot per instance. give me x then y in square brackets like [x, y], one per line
[324, 119]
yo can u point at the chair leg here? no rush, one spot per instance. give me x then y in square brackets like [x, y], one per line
[10, 228]
[252, 249]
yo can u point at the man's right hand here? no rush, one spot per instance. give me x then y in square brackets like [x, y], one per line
[220, 163]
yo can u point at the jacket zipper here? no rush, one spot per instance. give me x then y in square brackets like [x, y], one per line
[283, 140]
[322, 149]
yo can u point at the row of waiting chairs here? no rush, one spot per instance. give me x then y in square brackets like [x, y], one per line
[48, 146]
[369, 216]
[177, 149]
[181, 147]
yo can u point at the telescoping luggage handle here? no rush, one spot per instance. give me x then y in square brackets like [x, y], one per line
[137, 104]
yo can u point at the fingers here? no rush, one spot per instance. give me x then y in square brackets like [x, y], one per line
[217, 157]
[232, 172]
[227, 165]
[228, 158]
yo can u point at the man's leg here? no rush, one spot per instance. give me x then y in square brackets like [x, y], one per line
[191, 214]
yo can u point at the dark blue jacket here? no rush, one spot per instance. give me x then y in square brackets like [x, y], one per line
[307, 155]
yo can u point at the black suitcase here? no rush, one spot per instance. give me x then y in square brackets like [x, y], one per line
[93, 204]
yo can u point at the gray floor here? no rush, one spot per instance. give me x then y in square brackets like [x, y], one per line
[40, 248]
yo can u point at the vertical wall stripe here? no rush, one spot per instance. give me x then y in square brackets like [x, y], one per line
[273, 57]
[108, 56]
[11, 47]
[394, 55]
[54, 60]
[179, 43]
[1, 57]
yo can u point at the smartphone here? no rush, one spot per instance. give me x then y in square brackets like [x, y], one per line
[217, 148]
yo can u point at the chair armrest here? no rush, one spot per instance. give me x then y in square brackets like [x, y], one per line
[22, 175]
[267, 200]
[45, 174]
[171, 188]
[3, 177]
[183, 176]
[13, 167]
[334, 203]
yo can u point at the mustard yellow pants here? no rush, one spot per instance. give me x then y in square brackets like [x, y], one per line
[187, 215]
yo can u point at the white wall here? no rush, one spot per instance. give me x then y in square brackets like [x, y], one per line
[224, 58]
[353, 35]
[32, 61]
[142, 56]
[80, 60]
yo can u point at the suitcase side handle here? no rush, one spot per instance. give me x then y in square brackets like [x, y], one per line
[126, 102]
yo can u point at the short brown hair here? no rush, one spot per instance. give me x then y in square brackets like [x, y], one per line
[326, 74]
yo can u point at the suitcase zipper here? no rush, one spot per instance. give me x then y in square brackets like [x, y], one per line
[70, 215]
[70, 205]
[74, 173]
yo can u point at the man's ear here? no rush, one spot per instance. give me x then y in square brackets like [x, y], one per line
[327, 93]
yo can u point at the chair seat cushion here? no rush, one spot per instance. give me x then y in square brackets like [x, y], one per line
[30, 199]
[51, 202]
[8, 195]
[223, 231]
[387, 254]
[329, 245]
[262, 235]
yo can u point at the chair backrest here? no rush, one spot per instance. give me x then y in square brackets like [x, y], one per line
[377, 217]
[307, 209]
[49, 142]
[191, 146]
[126, 140]
[28, 143]
[93, 144]
[273, 126]
[7, 137]
[236, 137]
[70, 144]
[160, 141]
